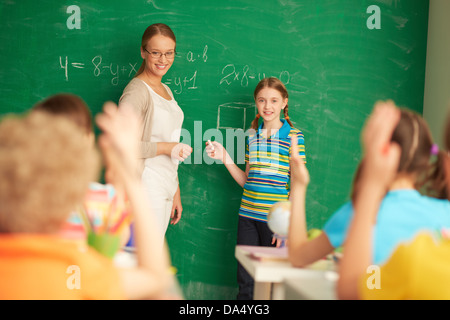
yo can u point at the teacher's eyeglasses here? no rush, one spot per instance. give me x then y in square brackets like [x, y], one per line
[170, 55]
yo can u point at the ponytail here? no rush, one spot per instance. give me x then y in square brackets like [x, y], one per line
[286, 116]
[436, 181]
[447, 152]
[447, 173]
[255, 122]
[420, 156]
[141, 69]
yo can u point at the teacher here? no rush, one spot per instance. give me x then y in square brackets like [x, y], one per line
[161, 121]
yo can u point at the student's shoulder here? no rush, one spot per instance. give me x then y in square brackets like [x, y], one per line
[295, 131]
[442, 204]
[298, 133]
[101, 276]
[427, 199]
[425, 203]
[344, 211]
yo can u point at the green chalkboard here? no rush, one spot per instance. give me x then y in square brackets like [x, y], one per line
[336, 57]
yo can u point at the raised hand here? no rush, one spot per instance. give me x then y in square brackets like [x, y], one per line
[299, 173]
[381, 156]
[119, 139]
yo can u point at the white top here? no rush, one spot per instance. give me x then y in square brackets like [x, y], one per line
[167, 120]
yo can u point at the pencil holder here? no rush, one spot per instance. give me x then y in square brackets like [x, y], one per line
[105, 243]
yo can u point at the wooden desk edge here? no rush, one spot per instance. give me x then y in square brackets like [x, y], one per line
[262, 270]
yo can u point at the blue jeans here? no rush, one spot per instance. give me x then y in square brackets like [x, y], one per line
[250, 233]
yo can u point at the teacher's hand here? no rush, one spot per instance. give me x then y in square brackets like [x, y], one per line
[180, 151]
[177, 208]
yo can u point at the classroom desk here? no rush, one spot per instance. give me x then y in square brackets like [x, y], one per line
[270, 267]
[321, 286]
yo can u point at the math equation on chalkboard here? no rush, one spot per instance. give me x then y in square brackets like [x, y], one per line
[242, 76]
[99, 67]
[229, 74]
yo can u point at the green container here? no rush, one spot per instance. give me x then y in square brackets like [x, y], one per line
[106, 244]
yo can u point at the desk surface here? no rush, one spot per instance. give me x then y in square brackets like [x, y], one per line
[318, 287]
[273, 264]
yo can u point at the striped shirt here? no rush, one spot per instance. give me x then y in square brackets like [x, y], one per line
[269, 170]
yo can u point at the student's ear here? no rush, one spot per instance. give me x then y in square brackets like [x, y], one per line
[142, 53]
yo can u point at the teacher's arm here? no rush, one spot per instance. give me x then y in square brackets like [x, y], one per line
[175, 150]
[137, 96]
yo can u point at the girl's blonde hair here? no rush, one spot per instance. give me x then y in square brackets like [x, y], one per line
[153, 30]
[276, 84]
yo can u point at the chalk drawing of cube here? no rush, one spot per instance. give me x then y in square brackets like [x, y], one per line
[236, 115]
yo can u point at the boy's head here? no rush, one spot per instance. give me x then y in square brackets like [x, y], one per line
[70, 106]
[45, 168]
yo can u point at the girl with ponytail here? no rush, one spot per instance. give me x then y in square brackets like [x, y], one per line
[418, 268]
[275, 84]
[415, 199]
[267, 176]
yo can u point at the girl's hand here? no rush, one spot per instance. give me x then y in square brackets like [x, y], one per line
[299, 173]
[180, 151]
[216, 151]
[280, 242]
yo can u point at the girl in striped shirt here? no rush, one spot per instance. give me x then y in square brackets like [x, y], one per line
[266, 178]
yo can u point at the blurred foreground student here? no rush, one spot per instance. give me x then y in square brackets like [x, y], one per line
[404, 210]
[41, 183]
[103, 202]
[419, 269]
